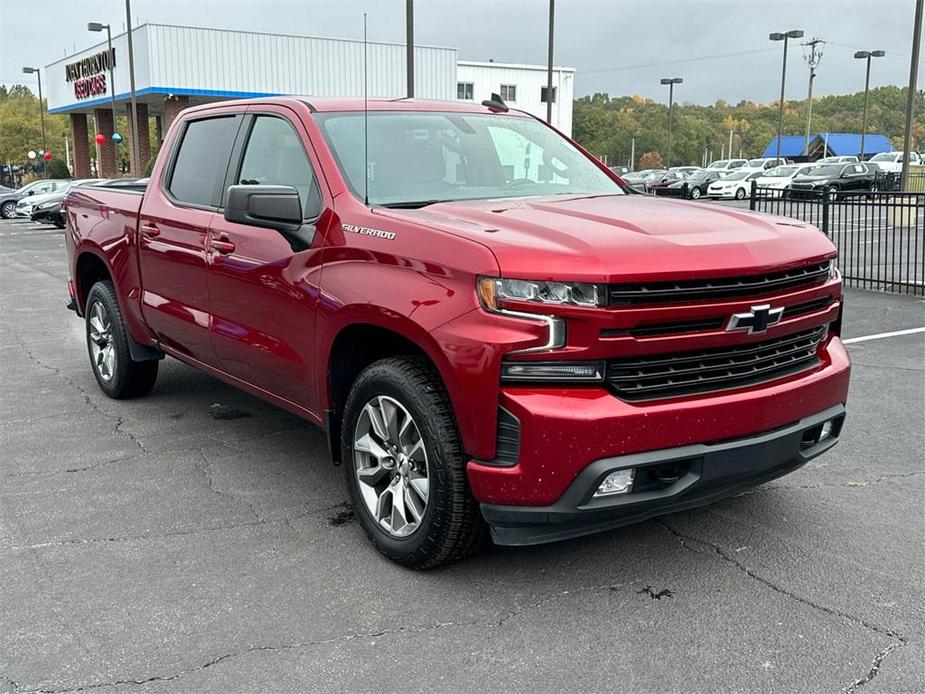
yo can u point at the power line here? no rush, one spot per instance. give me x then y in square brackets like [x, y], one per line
[679, 60]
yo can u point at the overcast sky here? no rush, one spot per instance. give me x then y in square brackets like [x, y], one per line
[618, 46]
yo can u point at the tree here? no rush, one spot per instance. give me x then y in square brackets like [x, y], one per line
[650, 160]
[56, 168]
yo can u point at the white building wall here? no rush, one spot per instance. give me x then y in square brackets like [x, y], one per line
[487, 77]
[214, 63]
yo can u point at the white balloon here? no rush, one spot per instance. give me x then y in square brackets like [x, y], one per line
[31, 154]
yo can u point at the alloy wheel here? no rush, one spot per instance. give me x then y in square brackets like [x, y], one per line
[102, 348]
[390, 463]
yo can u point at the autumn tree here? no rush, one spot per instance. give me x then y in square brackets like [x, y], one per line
[650, 160]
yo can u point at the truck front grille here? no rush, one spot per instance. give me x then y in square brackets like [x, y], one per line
[719, 288]
[687, 373]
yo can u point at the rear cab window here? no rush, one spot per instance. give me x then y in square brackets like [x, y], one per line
[198, 169]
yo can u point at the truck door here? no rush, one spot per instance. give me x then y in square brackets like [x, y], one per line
[173, 233]
[264, 288]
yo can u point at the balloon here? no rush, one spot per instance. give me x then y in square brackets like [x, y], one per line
[117, 138]
[47, 156]
[100, 139]
[31, 154]
[41, 152]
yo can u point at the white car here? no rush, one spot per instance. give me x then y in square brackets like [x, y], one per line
[762, 164]
[779, 179]
[25, 206]
[728, 164]
[736, 185]
[892, 162]
[841, 159]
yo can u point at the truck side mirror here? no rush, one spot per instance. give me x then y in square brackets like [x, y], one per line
[271, 207]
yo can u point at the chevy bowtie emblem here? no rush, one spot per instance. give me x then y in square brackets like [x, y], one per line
[756, 320]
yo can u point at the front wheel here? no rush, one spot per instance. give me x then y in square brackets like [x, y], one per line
[405, 467]
[740, 193]
[695, 193]
[108, 344]
[8, 209]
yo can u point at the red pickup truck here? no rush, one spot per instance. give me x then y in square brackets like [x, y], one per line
[495, 333]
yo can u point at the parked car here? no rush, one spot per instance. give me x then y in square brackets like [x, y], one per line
[26, 205]
[466, 380]
[833, 179]
[736, 185]
[687, 170]
[620, 170]
[727, 164]
[8, 200]
[48, 208]
[842, 159]
[763, 164]
[663, 180]
[698, 183]
[892, 162]
[638, 179]
[780, 178]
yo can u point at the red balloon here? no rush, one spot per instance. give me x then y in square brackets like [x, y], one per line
[100, 139]
[47, 156]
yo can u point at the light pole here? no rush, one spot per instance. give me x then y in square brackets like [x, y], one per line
[136, 154]
[96, 26]
[910, 96]
[785, 37]
[552, 21]
[409, 46]
[671, 82]
[29, 71]
[866, 55]
[632, 162]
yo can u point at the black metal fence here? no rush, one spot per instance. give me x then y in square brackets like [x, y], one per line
[880, 235]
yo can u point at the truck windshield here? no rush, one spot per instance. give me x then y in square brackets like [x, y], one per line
[417, 159]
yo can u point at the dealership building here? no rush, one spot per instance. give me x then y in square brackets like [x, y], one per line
[180, 66]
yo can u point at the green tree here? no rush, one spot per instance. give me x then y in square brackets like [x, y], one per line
[56, 168]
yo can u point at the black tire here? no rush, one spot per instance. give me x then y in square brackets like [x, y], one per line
[8, 209]
[127, 378]
[695, 193]
[740, 193]
[451, 527]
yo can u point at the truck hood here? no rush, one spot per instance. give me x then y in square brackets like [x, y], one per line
[624, 238]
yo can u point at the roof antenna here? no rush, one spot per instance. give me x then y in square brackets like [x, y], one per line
[365, 120]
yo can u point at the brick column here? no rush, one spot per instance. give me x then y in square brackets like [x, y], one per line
[106, 152]
[144, 137]
[172, 107]
[81, 145]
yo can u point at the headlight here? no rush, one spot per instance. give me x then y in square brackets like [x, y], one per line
[47, 205]
[833, 269]
[552, 371]
[494, 292]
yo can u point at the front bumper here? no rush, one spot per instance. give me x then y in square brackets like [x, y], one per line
[700, 474]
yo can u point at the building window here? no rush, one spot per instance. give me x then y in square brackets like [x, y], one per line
[464, 91]
[509, 92]
[543, 96]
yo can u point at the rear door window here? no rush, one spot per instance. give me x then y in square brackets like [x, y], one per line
[200, 163]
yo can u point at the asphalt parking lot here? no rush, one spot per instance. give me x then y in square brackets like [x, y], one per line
[198, 541]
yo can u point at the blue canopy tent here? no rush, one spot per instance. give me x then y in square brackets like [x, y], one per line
[828, 144]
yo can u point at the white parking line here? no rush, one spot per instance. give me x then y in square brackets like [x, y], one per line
[879, 336]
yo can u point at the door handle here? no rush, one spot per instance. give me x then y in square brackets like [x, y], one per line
[222, 245]
[150, 231]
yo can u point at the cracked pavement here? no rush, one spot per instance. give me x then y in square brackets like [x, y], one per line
[151, 546]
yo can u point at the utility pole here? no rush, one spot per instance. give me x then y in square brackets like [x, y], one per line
[552, 20]
[409, 45]
[812, 61]
[910, 99]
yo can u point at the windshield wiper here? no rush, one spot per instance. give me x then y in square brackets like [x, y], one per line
[411, 204]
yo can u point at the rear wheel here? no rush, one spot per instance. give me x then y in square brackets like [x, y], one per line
[405, 467]
[695, 193]
[108, 345]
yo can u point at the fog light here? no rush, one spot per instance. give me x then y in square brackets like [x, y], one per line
[617, 482]
[827, 429]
